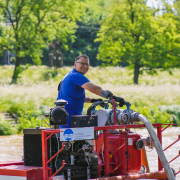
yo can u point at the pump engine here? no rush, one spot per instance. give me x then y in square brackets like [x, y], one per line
[85, 159]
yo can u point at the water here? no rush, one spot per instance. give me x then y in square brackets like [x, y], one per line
[169, 136]
[11, 148]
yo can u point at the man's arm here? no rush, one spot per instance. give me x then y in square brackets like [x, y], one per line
[88, 99]
[99, 91]
[93, 88]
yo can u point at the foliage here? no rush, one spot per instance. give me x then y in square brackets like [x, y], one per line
[173, 110]
[132, 34]
[28, 26]
[176, 6]
[35, 94]
[28, 116]
[5, 128]
[88, 27]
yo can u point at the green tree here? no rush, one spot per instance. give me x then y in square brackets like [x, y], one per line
[176, 13]
[28, 26]
[172, 33]
[88, 27]
[134, 35]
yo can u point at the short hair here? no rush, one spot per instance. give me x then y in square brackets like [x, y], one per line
[80, 56]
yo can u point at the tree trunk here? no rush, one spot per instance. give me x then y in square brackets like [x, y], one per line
[16, 70]
[5, 57]
[136, 73]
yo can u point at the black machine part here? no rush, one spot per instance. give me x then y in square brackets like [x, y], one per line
[33, 146]
[84, 121]
[80, 158]
[58, 116]
[60, 102]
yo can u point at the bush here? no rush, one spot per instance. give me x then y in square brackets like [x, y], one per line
[6, 128]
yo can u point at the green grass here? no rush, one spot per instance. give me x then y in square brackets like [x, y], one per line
[36, 91]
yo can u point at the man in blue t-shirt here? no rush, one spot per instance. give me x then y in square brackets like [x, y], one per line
[72, 89]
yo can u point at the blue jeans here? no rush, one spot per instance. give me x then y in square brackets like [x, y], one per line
[71, 113]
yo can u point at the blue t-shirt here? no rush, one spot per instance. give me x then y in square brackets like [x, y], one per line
[72, 92]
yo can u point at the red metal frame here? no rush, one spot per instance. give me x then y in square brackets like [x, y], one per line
[172, 143]
[45, 160]
[106, 128]
[177, 172]
[106, 153]
[114, 110]
[175, 157]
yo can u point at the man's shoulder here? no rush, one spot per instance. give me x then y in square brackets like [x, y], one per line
[77, 74]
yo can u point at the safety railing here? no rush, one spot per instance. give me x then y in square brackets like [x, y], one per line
[46, 134]
[172, 145]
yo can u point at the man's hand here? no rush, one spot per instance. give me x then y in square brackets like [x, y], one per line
[120, 100]
[107, 94]
[95, 100]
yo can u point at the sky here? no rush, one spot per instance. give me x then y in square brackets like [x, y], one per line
[155, 3]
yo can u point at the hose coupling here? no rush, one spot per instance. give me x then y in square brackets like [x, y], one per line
[135, 117]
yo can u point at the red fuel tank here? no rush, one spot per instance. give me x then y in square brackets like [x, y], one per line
[126, 158]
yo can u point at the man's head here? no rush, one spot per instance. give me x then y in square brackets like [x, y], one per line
[81, 64]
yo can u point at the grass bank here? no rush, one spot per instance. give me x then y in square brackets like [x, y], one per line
[157, 96]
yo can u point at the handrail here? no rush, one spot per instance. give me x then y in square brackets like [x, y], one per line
[63, 145]
[175, 157]
[165, 128]
[58, 170]
[45, 160]
[105, 129]
[177, 172]
[173, 143]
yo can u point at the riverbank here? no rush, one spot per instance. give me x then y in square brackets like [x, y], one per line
[156, 96]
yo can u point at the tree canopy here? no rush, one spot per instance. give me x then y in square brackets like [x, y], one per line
[28, 26]
[88, 27]
[132, 33]
[126, 32]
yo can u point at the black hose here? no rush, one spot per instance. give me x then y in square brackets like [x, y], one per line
[90, 109]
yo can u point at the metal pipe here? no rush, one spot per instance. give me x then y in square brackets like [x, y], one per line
[106, 159]
[173, 143]
[63, 145]
[44, 155]
[159, 135]
[157, 146]
[148, 142]
[114, 109]
[145, 160]
[175, 157]
[153, 175]
[63, 164]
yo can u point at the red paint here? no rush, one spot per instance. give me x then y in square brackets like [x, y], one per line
[154, 175]
[114, 110]
[45, 160]
[30, 172]
[114, 162]
[115, 153]
[8, 163]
